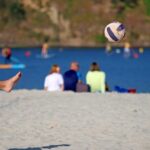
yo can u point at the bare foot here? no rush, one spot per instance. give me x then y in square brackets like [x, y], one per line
[10, 83]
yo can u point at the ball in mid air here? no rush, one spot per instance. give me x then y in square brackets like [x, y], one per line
[114, 31]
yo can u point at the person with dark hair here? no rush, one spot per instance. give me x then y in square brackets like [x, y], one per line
[54, 81]
[7, 85]
[6, 53]
[96, 78]
[71, 77]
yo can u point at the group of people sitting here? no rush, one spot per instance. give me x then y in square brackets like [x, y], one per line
[71, 79]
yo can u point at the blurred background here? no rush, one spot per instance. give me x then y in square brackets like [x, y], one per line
[74, 30]
[71, 22]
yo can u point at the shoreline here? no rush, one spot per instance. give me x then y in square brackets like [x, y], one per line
[68, 47]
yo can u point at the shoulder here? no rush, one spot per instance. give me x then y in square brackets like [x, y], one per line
[90, 72]
[70, 72]
[56, 75]
[59, 75]
[95, 72]
[99, 72]
[102, 72]
[48, 76]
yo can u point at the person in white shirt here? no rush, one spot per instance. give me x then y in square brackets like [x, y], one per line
[54, 81]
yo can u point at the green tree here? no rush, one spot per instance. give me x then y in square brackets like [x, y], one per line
[128, 3]
[147, 5]
[17, 11]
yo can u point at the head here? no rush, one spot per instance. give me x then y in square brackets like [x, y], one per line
[55, 69]
[74, 66]
[94, 67]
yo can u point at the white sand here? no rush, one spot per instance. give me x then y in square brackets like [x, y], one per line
[38, 120]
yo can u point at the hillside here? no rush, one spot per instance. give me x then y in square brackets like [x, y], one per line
[71, 22]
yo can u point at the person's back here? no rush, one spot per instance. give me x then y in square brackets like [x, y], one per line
[70, 80]
[96, 80]
[71, 77]
[54, 81]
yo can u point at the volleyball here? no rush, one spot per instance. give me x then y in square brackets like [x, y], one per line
[114, 31]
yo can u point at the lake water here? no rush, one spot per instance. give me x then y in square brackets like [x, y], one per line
[125, 72]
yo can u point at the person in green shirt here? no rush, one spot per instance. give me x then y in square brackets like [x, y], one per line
[96, 79]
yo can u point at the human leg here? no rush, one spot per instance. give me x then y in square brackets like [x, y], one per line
[8, 85]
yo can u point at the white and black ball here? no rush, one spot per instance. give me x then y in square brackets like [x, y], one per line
[114, 31]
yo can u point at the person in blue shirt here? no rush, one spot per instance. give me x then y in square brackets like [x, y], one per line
[71, 77]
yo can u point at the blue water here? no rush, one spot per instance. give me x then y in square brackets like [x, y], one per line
[125, 72]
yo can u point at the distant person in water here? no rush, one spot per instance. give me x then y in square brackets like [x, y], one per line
[44, 51]
[72, 77]
[54, 81]
[108, 48]
[7, 85]
[127, 49]
[96, 79]
[6, 53]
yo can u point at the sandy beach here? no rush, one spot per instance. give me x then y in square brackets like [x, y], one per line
[39, 120]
